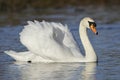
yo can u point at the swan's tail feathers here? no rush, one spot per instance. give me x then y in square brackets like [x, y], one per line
[19, 56]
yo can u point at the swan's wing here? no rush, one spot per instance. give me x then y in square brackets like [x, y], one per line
[68, 39]
[63, 33]
[38, 37]
[35, 35]
[45, 39]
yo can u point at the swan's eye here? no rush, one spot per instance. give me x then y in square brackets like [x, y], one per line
[92, 23]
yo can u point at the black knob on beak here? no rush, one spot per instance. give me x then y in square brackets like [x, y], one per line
[96, 33]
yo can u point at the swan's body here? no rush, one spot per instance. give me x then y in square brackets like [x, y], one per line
[53, 42]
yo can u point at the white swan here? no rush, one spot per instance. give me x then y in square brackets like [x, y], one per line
[53, 42]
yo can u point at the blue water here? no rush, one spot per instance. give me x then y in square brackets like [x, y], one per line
[106, 45]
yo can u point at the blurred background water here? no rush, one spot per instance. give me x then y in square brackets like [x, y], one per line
[15, 14]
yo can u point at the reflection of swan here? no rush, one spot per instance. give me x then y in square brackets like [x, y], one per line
[53, 42]
[89, 71]
[48, 71]
[51, 71]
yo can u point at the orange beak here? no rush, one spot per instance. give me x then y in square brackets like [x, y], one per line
[93, 28]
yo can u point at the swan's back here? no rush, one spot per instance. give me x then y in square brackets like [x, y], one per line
[50, 40]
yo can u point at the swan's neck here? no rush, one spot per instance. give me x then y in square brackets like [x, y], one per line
[90, 55]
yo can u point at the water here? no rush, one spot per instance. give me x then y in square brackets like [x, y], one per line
[106, 45]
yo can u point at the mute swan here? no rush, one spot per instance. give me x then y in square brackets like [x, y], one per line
[53, 42]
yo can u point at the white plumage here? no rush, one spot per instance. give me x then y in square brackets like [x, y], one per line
[48, 42]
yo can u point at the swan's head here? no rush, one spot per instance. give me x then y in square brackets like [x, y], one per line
[89, 23]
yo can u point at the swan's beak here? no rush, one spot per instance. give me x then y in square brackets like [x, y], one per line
[93, 28]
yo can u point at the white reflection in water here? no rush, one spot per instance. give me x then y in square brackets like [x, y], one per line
[56, 71]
